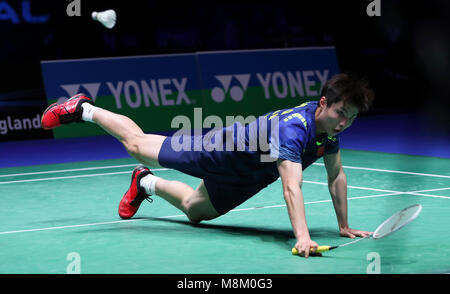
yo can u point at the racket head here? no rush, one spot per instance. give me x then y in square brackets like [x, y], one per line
[397, 221]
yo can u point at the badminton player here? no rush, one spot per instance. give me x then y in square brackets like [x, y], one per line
[232, 174]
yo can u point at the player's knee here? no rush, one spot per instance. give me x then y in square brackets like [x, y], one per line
[195, 220]
[133, 146]
[192, 211]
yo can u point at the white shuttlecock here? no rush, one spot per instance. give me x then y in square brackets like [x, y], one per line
[107, 17]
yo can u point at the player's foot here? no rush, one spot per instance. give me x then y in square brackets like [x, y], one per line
[133, 198]
[67, 112]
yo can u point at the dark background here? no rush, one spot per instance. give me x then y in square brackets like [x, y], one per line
[404, 52]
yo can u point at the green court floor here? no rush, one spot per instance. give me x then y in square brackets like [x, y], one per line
[63, 218]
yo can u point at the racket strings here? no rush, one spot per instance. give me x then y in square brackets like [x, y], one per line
[397, 221]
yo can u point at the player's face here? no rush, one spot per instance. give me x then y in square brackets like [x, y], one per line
[339, 116]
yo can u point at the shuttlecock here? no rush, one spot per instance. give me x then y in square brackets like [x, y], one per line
[107, 17]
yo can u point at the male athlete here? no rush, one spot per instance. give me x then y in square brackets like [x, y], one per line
[295, 138]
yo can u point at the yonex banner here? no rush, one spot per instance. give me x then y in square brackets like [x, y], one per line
[153, 90]
[256, 82]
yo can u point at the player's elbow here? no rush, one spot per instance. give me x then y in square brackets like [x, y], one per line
[291, 189]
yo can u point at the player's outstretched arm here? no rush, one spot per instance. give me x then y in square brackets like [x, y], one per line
[291, 178]
[337, 185]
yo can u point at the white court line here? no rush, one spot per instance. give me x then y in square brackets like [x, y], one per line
[61, 178]
[84, 225]
[165, 169]
[348, 186]
[234, 210]
[182, 215]
[389, 192]
[430, 190]
[66, 170]
[174, 216]
[75, 177]
[416, 193]
[318, 201]
[389, 171]
[128, 165]
[428, 195]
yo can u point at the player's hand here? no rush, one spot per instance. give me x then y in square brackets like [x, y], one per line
[351, 233]
[304, 245]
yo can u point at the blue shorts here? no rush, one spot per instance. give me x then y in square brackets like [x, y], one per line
[227, 178]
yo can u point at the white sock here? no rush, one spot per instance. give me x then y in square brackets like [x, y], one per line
[149, 183]
[88, 111]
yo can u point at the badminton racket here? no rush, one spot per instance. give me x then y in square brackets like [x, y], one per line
[394, 223]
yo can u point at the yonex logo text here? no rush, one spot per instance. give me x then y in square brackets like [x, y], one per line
[154, 92]
[277, 84]
[284, 84]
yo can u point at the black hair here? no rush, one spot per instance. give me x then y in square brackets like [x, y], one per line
[351, 88]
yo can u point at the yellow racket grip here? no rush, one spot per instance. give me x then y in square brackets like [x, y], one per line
[320, 249]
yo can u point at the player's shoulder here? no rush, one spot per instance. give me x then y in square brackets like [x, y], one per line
[303, 112]
[297, 124]
[294, 123]
[302, 115]
[302, 108]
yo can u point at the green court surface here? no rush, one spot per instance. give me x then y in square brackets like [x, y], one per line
[56, 219]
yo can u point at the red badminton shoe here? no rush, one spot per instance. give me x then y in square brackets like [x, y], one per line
[67, 112]
[133, 198]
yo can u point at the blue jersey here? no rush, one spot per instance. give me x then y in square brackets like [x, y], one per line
[242, 159]
[297, 140]
[249, 152]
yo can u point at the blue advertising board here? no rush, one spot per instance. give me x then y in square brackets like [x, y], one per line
[154, 90]
[148, 89]
[254, 82]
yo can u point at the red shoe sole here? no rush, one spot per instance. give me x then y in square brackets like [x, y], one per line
[46, 110]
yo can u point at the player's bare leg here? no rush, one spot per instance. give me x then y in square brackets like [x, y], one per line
[197, 206]
[145, 148]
